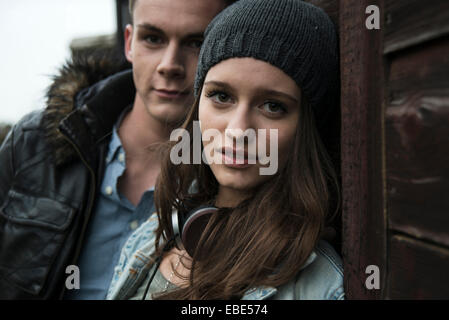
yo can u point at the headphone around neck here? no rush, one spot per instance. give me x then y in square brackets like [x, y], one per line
[187, 232]
[188, 229]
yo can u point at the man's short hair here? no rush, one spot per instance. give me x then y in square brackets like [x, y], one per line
[132, 4]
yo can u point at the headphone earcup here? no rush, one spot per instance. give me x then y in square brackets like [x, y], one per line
[192, 226]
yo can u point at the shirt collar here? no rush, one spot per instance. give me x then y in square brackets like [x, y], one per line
[116, 144]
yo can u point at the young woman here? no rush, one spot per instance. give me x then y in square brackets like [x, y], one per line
[264, 65]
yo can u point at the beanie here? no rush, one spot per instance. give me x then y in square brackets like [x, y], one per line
[292, 35]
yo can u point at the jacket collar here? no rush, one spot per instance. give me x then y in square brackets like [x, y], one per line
[88, 125]
[77, 83]
[265, 292]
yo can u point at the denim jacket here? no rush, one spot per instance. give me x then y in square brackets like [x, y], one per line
[321, 277]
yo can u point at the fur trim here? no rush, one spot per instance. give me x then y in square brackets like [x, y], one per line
[81, 72]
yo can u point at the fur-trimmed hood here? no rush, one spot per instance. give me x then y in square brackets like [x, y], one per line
[63, 96]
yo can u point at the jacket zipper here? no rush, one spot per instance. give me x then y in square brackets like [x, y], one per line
[89, 207]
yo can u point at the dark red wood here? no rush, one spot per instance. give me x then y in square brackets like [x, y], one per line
[417, 270]
[364, 229]
[417, 127]
[410, 22]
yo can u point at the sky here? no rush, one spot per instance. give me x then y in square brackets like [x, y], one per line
[36, 39]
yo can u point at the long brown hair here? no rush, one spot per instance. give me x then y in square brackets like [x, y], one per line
[265, 239]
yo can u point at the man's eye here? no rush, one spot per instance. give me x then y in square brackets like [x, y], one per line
[152, 39]
[196, 44]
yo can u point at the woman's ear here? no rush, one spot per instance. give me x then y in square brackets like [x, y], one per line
[128, 43]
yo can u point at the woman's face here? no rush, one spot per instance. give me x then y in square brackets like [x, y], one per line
[245, 93]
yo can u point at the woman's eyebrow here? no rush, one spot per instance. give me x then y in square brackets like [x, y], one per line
[278, 93]
[220, 84]
[260, 91]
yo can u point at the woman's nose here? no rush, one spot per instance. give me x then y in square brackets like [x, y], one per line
[240, 124]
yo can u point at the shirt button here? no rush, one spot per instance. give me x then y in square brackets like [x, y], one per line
[121, 157]
[108, 190]
[133, 225]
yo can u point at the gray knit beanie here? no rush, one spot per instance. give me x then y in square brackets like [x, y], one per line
[294, 36]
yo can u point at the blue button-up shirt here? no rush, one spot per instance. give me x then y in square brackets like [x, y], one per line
[110, 225]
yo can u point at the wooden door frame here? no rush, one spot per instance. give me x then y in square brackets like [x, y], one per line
[362, 149]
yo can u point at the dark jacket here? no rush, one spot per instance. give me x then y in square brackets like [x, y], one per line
[51, 165]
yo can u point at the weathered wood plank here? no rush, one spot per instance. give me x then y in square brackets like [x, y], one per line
[420, 68]
[417, 270]
[417, 144]
[418, 166]
[410, 22]
[364, 240]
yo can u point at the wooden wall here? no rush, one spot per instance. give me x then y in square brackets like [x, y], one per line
[416, 51]
[395, 148]
[362, 95]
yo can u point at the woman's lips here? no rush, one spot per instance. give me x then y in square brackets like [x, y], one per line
[170, 94]
[230, 158]
[232, 162]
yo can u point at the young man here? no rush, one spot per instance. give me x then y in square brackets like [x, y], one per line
[78, 177]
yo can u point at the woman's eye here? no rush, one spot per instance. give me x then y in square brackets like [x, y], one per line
[274, 108]
[219, 97]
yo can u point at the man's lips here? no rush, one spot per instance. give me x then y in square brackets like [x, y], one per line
[171, 94]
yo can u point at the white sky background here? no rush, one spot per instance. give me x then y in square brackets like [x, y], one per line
[36, 38]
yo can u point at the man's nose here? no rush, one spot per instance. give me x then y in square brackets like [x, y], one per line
[171, 64]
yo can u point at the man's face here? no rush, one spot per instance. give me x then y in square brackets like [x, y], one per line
[163, 45]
